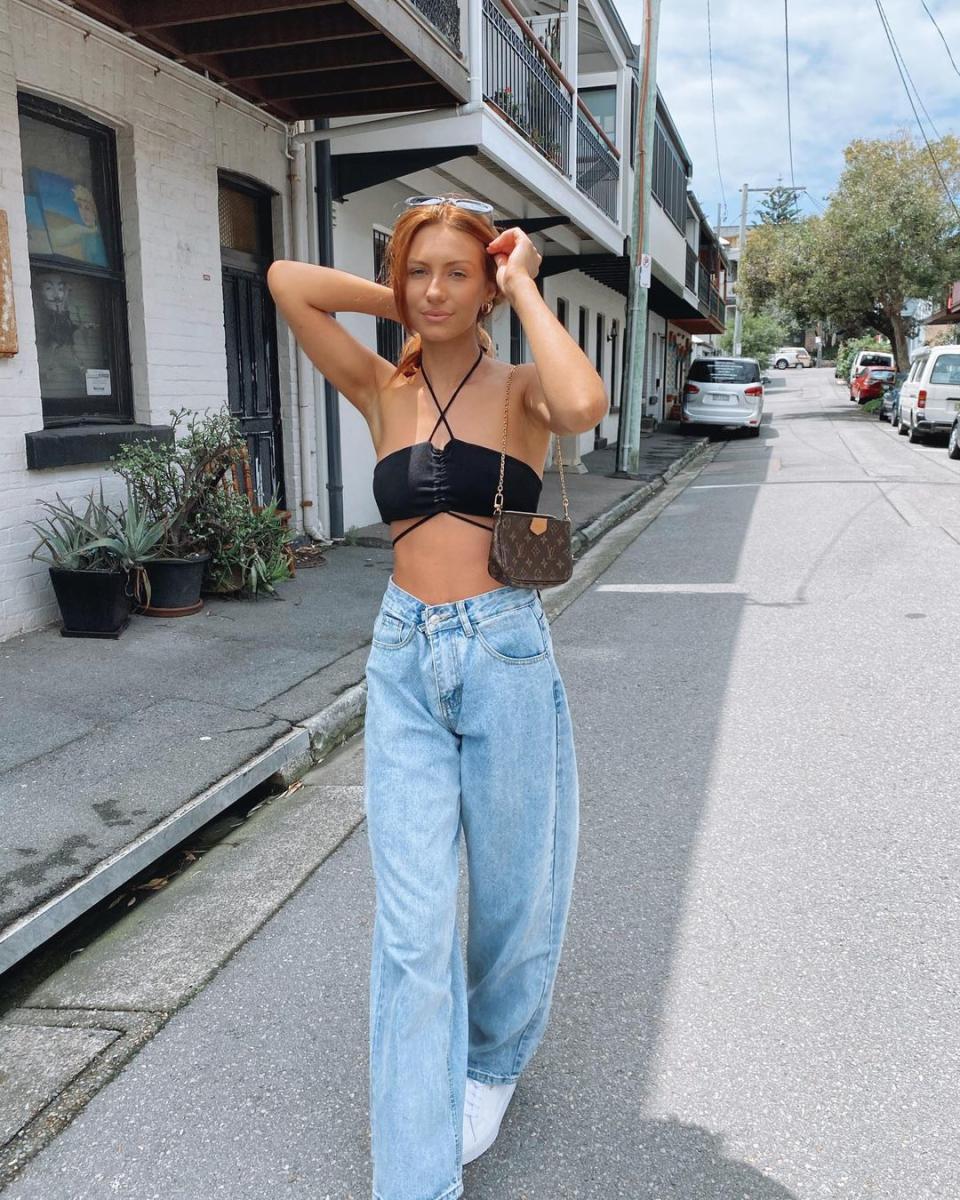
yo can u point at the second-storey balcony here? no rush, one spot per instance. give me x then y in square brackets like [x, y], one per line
[526, 87]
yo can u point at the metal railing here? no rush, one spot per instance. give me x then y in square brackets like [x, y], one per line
[525, 88]
[691, 279]
[717, 306]
[703, 286]
[443, 15]
[598, 172]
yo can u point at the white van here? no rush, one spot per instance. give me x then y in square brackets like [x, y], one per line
[930, 395]
[870, 358]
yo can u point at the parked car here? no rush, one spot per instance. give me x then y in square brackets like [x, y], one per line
[889, 409]
[724, 391]
[790, 356]
[870, 358]
[869, 383]
[930, 395]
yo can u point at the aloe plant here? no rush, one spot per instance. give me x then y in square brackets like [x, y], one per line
[100, 539]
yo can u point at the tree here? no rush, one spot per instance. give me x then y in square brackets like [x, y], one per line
[779, 207]
[762, 334]
[889, 233]
[780, 267]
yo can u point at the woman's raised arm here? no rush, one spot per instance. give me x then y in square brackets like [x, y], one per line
[306, 296]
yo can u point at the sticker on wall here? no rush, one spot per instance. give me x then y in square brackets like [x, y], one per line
[98, 382]
[645, 267]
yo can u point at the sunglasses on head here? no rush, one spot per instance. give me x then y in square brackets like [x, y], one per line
[477, 206]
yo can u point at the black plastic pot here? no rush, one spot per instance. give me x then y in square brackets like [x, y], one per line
[92, 603]
[175, 585]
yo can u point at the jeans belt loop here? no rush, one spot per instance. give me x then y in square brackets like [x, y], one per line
[464, 619]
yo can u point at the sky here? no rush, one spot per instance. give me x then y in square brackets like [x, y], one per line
[843, 85]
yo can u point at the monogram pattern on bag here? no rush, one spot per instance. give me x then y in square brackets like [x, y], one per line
[520, 557]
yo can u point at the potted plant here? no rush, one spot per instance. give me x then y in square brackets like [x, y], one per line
[248, 545]
[92, 557]
[176, 483]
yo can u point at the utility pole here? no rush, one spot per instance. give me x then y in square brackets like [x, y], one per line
[628, 440]
[741, 246]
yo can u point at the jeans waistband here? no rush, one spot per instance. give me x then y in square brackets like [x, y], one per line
[474, 608]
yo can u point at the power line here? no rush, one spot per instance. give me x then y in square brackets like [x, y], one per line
[903, 63]
[713, 104]
[923, 132]
[942, 38]
[813, 200]
[786, 43]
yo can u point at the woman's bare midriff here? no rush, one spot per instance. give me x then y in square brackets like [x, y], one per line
[445, 558]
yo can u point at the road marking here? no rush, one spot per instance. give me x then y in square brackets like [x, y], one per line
[692, 589]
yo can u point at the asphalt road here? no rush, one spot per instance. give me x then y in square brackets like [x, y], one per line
[758, 993]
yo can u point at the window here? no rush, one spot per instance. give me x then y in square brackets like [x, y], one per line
[602, 103]
[669, 177]
[76, 264]
[634, 109]
[945, 370]
[582, 332]
[390, 334]
[724, 370]
[599, 347]
[562, 311]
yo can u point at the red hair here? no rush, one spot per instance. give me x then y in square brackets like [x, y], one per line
[405, 228]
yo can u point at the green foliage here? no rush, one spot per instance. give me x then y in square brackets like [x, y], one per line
[762, 333]
[889, 233]
[247, 547]
[175, 482]
[848, 351]
[779, 207]
[99, 539]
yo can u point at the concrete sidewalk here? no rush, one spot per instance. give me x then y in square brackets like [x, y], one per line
[115, 751]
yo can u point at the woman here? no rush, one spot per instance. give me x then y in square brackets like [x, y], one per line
[467, 721]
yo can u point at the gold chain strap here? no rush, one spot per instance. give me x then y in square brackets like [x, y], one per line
[498, 499]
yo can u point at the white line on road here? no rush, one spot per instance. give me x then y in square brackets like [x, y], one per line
[693, 589]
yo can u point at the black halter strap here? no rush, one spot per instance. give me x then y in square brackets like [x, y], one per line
[443, 411]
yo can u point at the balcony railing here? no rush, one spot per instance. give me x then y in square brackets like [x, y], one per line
[443, 15]
[691, 279]
[703, 286]
[598, 171]
[523, 85]
[718, 308]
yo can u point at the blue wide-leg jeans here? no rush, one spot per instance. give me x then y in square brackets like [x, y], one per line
[467, 724]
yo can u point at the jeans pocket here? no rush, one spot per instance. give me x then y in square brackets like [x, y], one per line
[514, 636]
[390, 632]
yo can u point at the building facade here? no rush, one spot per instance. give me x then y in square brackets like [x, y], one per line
[157, 158]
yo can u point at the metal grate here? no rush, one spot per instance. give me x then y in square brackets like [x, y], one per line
[443, 15]
[390, 334]
[239, 227]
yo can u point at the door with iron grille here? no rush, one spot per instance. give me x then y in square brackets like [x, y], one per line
[246, 250]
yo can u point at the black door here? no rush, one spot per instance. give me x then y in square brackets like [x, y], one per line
[251, 335]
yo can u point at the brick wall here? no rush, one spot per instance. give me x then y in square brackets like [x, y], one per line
[172, 136]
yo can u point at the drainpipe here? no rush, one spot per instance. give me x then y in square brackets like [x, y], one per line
[331, 397]
[306, 408]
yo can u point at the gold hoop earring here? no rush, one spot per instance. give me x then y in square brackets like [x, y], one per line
[486, 308]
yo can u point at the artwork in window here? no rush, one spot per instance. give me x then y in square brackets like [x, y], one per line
[38, 240]
[72, 332]
[70, 217]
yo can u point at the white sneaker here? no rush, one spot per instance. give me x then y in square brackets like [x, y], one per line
[483, 1108]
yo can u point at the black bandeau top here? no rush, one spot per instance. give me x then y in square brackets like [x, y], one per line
[423, 480]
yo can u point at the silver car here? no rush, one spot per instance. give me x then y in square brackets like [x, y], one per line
[724, 391]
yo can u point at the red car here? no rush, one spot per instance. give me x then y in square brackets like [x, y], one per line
[869, 383]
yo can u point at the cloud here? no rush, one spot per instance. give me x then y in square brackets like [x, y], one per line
[843, 81]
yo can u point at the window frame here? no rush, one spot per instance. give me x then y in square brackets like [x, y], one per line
[103, 143]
